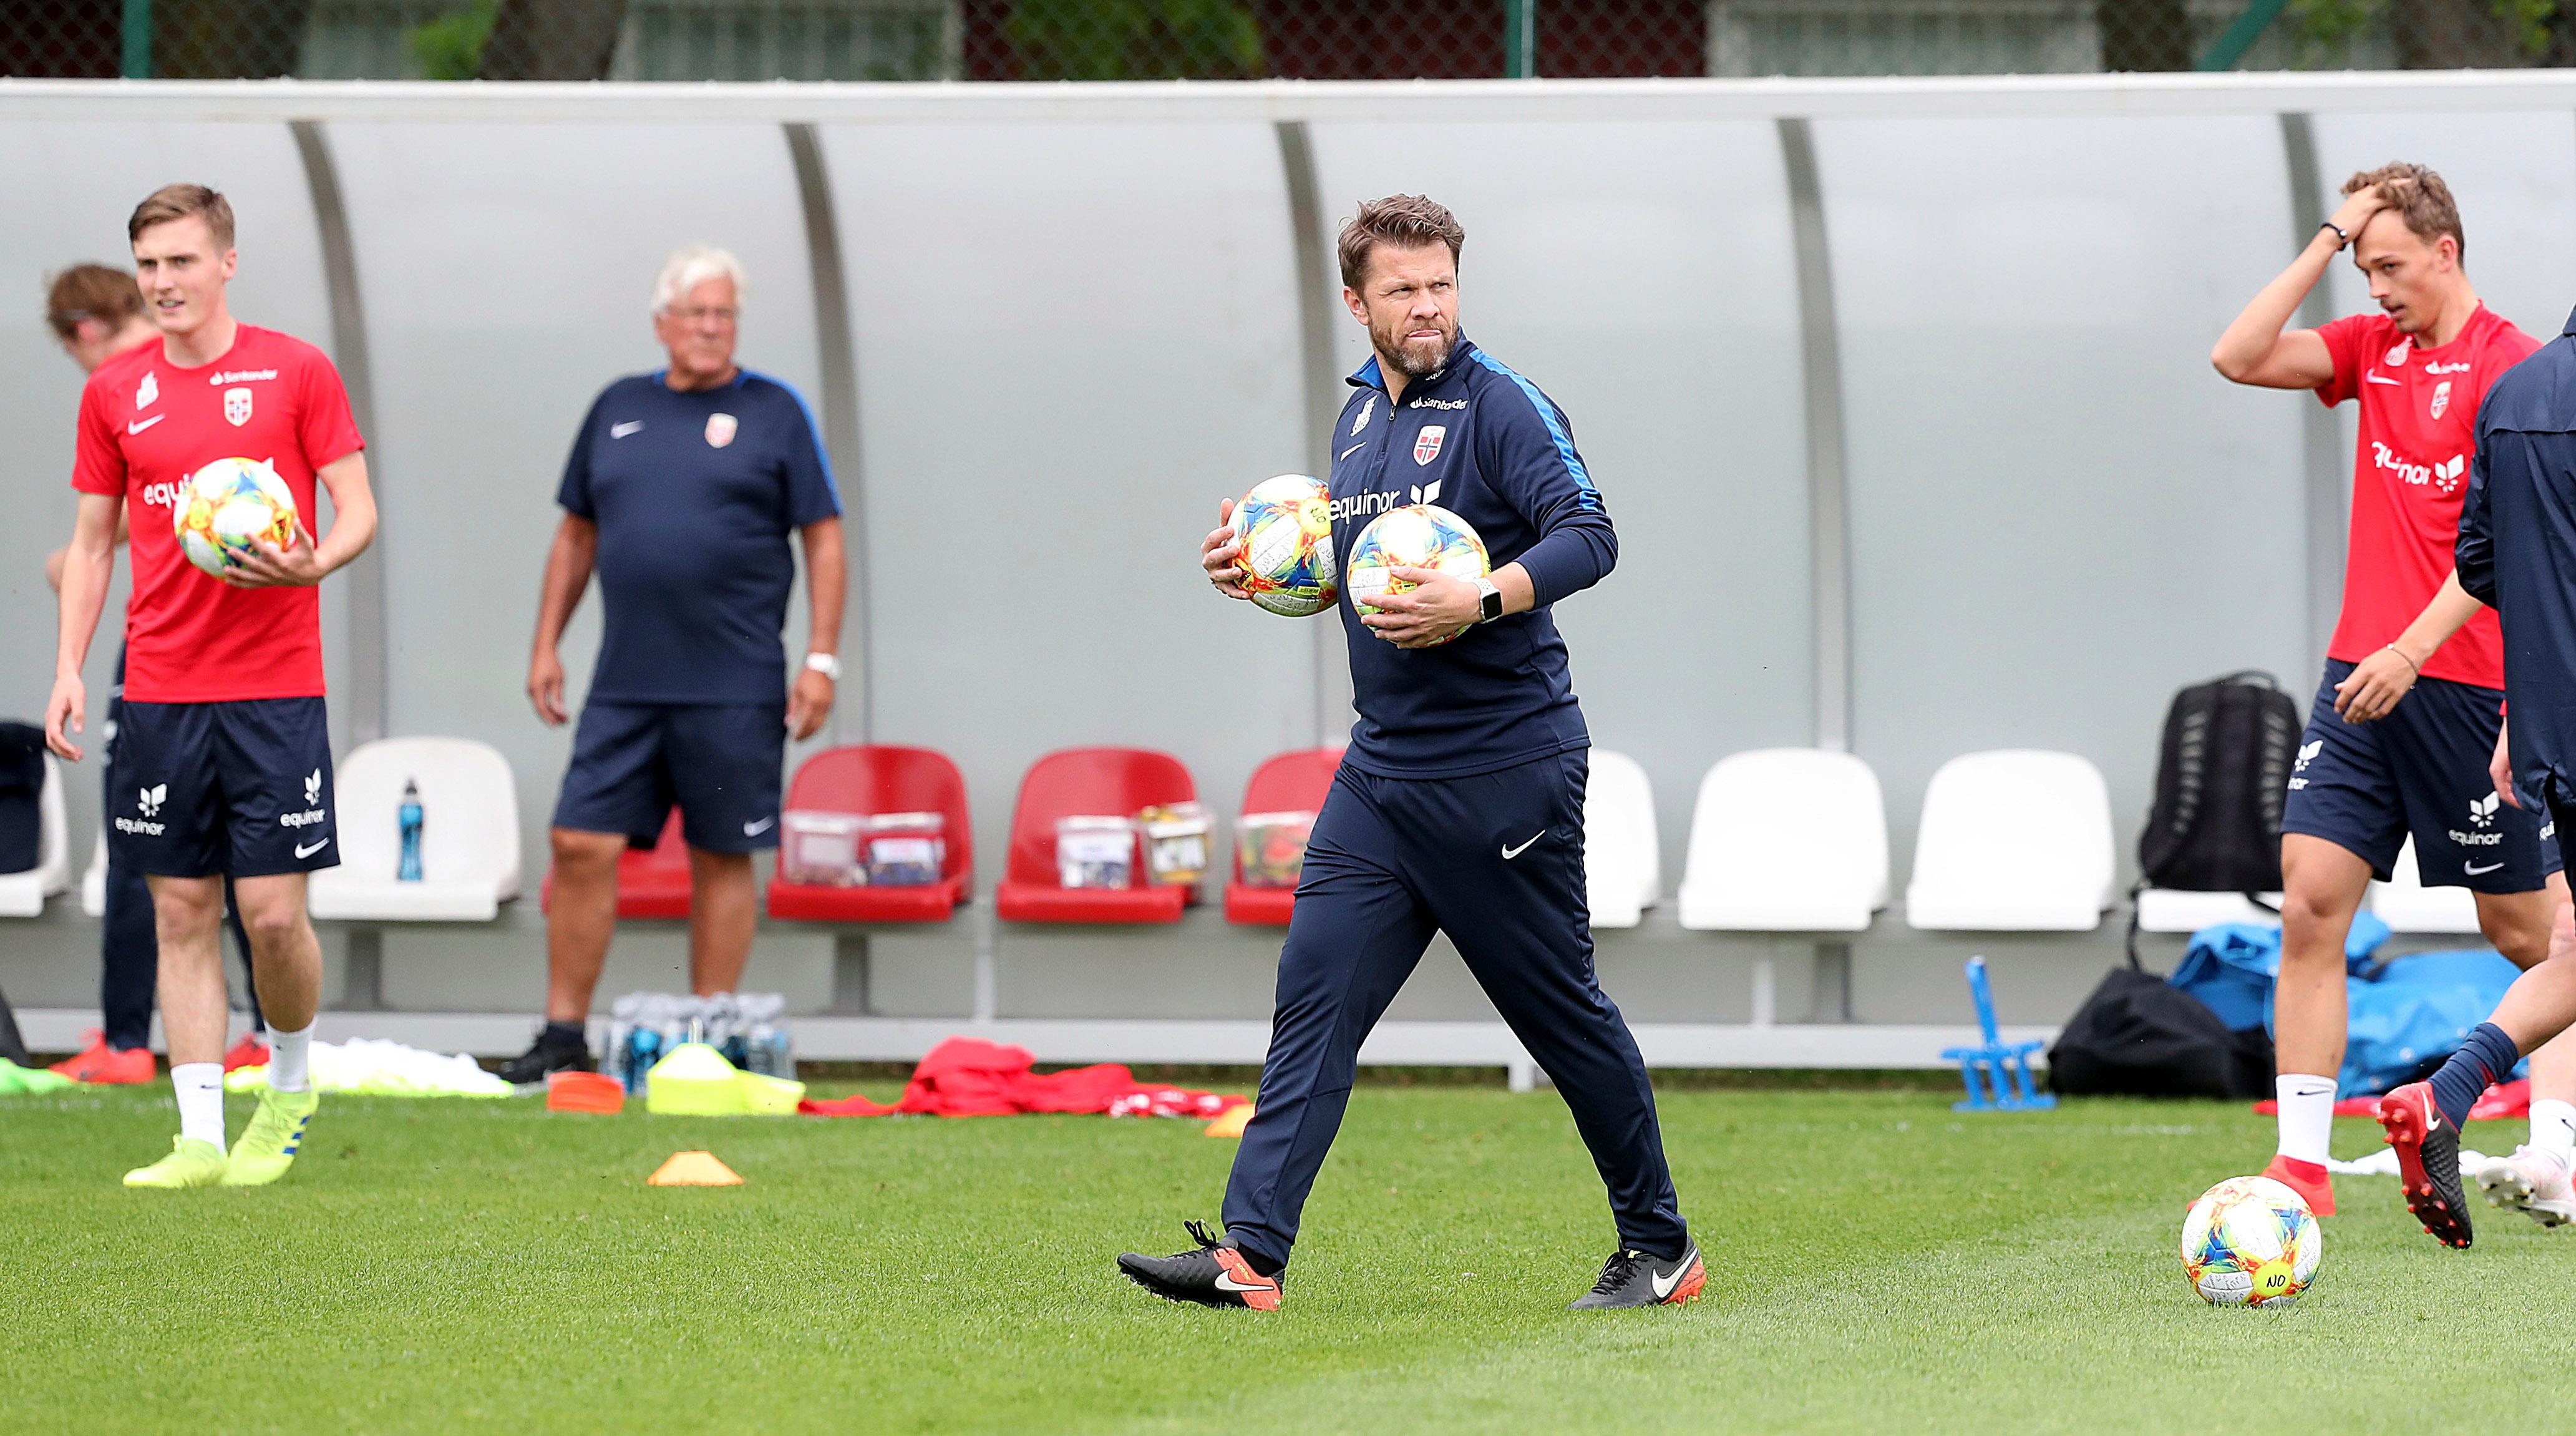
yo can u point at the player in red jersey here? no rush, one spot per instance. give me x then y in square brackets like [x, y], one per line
[2399, 739]
[222, 764]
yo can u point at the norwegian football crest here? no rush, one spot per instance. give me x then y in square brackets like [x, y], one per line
[1359, 421]
[2441, 398]
[237, 407]
[146, 392]
[1426, 445]
[720, 430]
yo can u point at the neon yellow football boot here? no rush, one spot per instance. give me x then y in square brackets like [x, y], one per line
[190, 1164]
[267, 1146]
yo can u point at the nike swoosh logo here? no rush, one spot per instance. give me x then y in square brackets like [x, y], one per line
[141, 425]
[1353, 449]
[1664, 1284]
[2377, 379]
[753, 830]
[620, 431]
[302, 851]
[1225, 1282]
[2475, 871]
[1511, 853]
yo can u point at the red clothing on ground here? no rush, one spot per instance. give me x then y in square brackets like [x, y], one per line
[969, 1077]
[2419, 412]
[145, 426]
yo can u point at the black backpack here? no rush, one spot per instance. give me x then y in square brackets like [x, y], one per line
[22, 789]
[2140, 1036]
[2223, 774]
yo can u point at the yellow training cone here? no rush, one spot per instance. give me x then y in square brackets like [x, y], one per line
[694, 1169]
[1229, 1123]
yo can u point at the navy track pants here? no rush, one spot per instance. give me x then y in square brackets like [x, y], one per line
[1496, 861]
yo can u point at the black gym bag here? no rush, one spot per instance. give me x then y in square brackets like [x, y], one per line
[2222, 775]
[2140, 1036]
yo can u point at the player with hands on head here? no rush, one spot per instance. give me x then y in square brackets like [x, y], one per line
[1458, 806]
[2401, 730]
[222, 762]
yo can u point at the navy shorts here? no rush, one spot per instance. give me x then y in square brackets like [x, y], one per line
[200, 789]
[719, 762]
[2422, 770]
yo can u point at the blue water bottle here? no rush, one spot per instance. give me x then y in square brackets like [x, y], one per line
[409, 816]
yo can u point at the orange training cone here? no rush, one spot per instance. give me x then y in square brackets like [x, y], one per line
[694, 1169]
[1229, 1123]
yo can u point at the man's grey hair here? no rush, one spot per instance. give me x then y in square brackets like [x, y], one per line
[690, 266]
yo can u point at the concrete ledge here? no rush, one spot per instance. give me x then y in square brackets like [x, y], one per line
[1393, 1044]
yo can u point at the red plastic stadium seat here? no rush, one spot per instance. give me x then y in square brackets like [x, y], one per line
[651, 882]
[1073, 783]
[1289, 783]
[879, 779]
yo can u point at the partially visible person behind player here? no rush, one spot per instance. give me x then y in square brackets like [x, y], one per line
[682, 489]
[2517, 552]
[96, 313]
[2403, 726]
[224, 748]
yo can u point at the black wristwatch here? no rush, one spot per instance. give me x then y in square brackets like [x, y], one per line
[1490, 607]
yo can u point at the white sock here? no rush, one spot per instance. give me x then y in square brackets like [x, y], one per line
[2553, 1128]
[2307, 1115]
[201, 1100]
[287, 1054]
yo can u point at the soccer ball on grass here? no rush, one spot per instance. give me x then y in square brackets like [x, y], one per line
[2251, 1241]
[226, 506]
[1415, 536]
[1285, 527]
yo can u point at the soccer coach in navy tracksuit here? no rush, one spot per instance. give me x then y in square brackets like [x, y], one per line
[1459, 805]
[2517, 554]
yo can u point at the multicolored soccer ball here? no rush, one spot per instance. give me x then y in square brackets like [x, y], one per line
[2251, 1241]
[1285, 526]
[1415, 536]
[226, 506]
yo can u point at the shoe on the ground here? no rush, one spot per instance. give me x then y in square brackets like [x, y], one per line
[2310, 1180]
[541, 1059]
[249, 1052]
[2533, 1182]
[267, 1146]
[2428, 1161]
[1631, 1278]
[103, 1064]
[1211, 1274]
[190, 1164]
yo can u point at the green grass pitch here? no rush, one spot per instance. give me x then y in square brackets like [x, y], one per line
[1877, 1264]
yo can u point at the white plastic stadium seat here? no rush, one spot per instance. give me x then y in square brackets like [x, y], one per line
[2015, 840]
[1622, 868]
[2165, 910]
[24, 894]
[94, 882]
[1786, 840]
[2406, 905]
[469, 846]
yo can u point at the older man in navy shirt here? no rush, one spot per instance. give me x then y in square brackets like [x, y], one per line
[2517, 553]
[681, 491]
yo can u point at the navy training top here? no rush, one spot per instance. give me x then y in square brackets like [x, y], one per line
[2517, 554]
[1485, 444]
[695, 495]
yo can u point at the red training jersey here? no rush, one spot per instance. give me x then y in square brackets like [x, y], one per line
[146, 425]
[2419, 415]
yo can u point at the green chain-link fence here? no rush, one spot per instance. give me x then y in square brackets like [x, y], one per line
[1251, 39]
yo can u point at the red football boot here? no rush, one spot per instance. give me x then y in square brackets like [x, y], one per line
[107, 1066]
[2428, 1161]
[249, 1052]
[2310, 1180]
